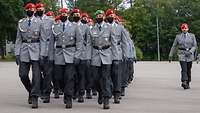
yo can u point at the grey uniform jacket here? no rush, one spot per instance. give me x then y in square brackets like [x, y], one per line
[102, 38]
[130, 51]
[184, 41]
[25, 35]
[86, 46]
[46, 37]
[120, 41]
[67, 43]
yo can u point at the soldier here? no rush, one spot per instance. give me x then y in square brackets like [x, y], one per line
[85, 56]
[118, 50]
[27, 51]
[128, 64]
[187, 45]
[46, 52]
[68, 42]
[102, 43]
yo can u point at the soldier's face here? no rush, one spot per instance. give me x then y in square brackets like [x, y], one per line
[30, 12]
[100, 16]
[185, 30]
[40, 11]
[76, 15]
[111, 16]
[84, 18]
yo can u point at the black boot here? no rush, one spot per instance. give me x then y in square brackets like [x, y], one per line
[106, 103]
[100, 99]
[34, 102]
[46, 100]
[88, 94]
[184, 85]
[80, 99]
[29, 99]
[94, 92]
[116, 99]
[68, 102]
[123, 92]
[56, 95]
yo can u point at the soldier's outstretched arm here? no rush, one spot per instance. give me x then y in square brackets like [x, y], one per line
[194, 47]
[18, 42]
[173, 48]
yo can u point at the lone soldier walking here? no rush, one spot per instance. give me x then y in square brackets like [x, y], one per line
[27, 51]
[187, 45]
[68, 42]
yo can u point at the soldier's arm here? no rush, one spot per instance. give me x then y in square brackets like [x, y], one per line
[43, 44]
[51, 47]
[18, 42]
[134, 50]
[194, 47]
[89, 43]
[79, 42]
[113, 43]
[125, 42]
[173, 47]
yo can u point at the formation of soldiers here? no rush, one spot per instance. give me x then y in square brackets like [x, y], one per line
[73, 55]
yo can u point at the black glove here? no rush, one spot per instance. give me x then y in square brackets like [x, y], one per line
[116, 62]
[88, 62]
[17, 59]
[42, 60]
[76, 61]
[170, 59]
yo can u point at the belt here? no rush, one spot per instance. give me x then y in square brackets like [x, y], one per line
[101, 48]
[184, 49]
[66, 46]
[31, 41]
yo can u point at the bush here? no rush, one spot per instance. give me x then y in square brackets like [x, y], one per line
[139, 53]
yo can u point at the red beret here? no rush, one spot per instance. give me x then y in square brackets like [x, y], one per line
[90, 20]
[109, 12]
[39, 5]
[57, 18]
[184, 26]
[76, 11]
[29, 6]
[63, 10]
[50, 13]
[84, 15]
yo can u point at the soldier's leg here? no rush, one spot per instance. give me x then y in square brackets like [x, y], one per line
[69, 84]
[88, 82]
[184, 76]
[58, 75]
[35, 92]
[116, 80]
[106, 84]
[24, 69]
[48, 69]
[97, 82]
[81, 80]
[189, 67]
[125, 75]
[131, 72]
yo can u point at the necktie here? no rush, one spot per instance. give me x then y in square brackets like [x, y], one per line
[99, 28]
[29, 22]
[63, 26]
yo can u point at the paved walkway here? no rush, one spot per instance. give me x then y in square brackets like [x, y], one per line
[156, 89]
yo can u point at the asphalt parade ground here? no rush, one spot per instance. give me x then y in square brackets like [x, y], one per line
[156, 89]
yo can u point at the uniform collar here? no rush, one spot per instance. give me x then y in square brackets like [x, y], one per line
[30, 18]
[78, 23]
[102, 24]
[66, 22]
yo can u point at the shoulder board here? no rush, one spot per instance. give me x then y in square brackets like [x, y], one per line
[21, 20]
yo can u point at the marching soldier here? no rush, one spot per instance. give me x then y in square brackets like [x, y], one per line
[187, 45]
[128, 64]
[85, 56]
[68, 44]
[46, 52]
[102, 42]
[27, 51]
[118, 50]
